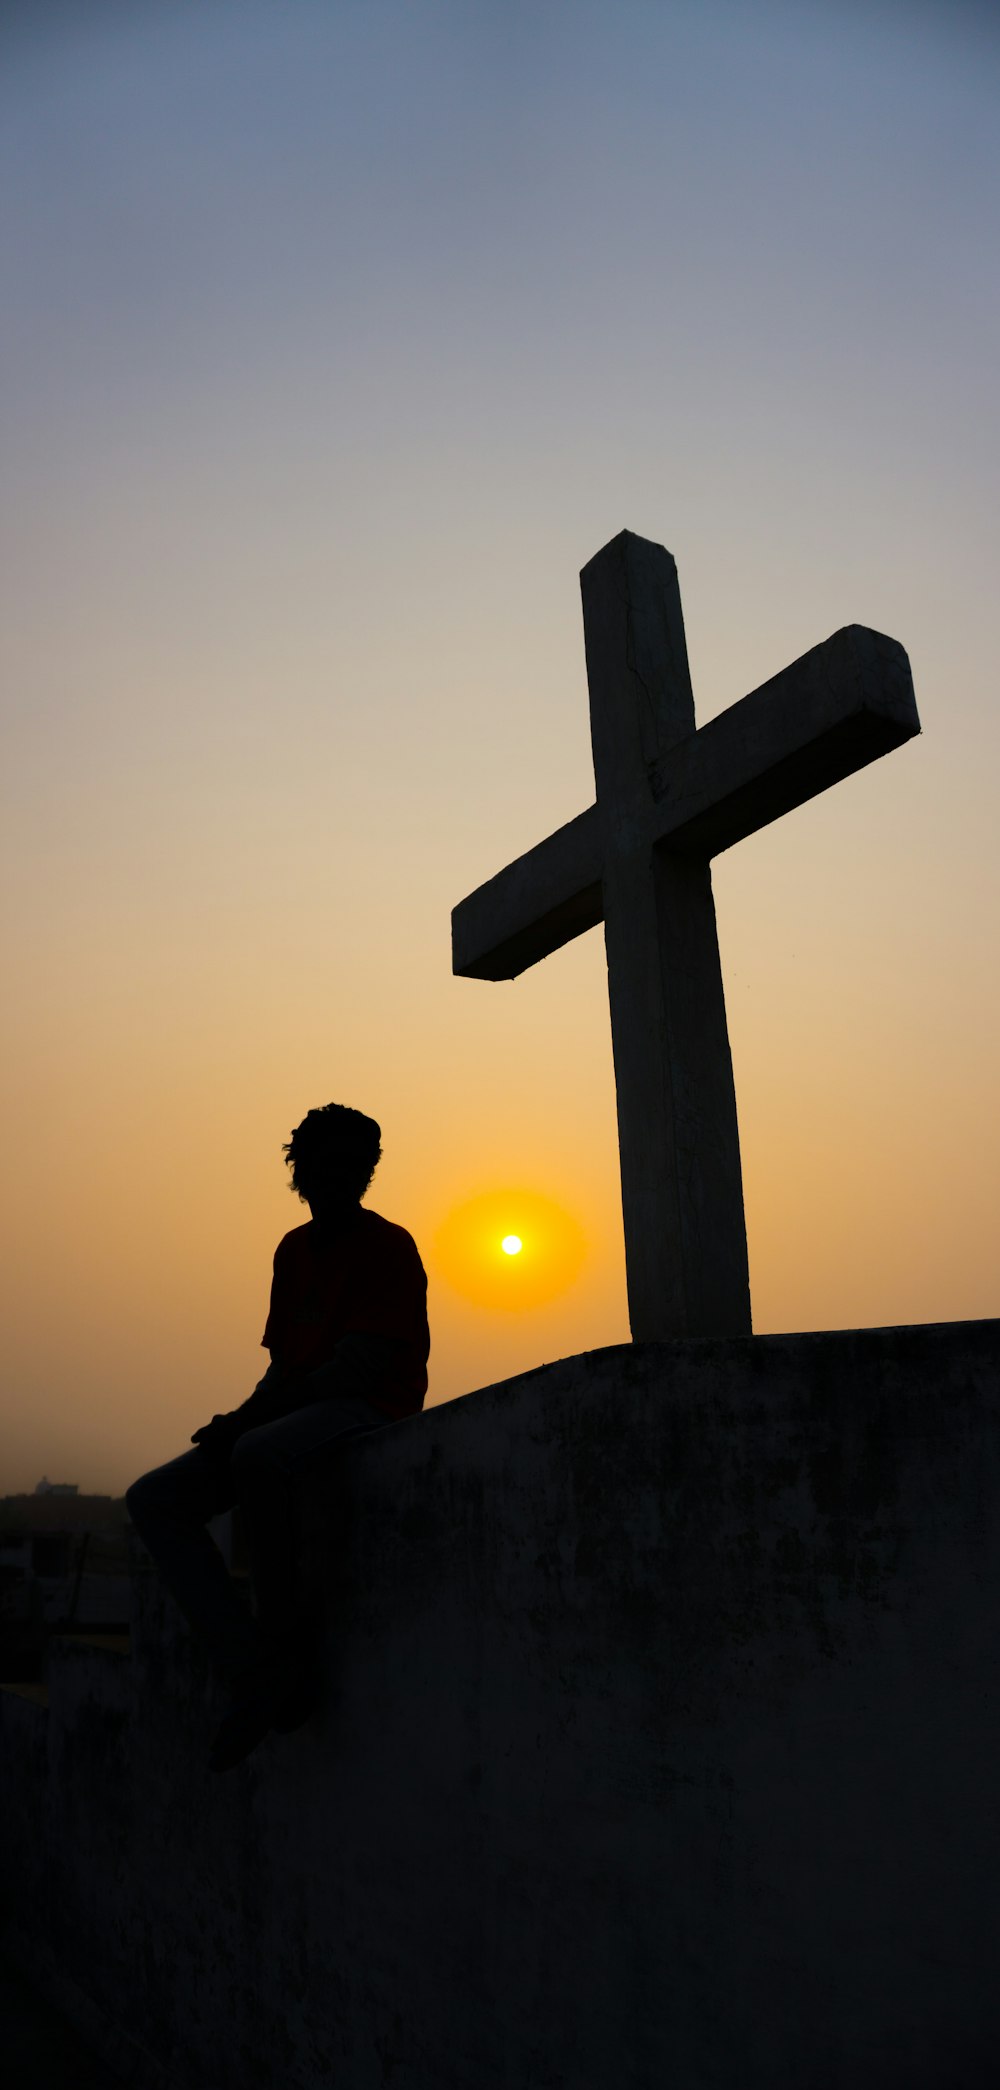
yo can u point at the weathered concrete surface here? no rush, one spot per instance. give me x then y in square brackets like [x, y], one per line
[668, 800]
[660, 1750]
[41, 2051]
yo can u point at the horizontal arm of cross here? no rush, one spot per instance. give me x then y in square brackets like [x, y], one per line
[839, 707]
[540, 902]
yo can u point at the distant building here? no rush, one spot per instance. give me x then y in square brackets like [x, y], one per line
[57, 1487]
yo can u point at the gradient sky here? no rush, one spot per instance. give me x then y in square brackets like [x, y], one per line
[337, 338]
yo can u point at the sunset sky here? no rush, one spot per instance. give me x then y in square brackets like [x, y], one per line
[337, 338]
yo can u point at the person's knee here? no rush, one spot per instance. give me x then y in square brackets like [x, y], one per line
[137, 1497]
[173, 1491]
[142, 1503]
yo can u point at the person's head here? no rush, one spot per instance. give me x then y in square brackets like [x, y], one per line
[333, 1155]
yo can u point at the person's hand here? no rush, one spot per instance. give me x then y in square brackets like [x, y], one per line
[218, 1436]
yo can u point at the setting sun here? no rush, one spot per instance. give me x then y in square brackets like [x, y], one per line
[535, 1264]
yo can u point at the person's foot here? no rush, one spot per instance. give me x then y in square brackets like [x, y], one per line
[256, 1696]
[279, 1691]
[298, 1700]
[244, 1723]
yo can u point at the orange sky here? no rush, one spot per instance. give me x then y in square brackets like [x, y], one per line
[335, 355]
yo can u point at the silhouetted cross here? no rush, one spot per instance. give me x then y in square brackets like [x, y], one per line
[669, 798]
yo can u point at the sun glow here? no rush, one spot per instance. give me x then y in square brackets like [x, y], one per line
[535, 1263]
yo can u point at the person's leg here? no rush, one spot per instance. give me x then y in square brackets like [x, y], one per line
[272, 1683]
[170, 1508]
[267, 1467]
[280, 1689]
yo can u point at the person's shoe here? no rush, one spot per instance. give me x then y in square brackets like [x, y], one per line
[249, 1716]
[298, 1701]
[292, 1659]
[238, 1733]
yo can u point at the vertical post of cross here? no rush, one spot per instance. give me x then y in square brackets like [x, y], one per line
[682, 1190]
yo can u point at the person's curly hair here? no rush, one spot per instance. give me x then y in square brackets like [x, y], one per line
[334, 1140]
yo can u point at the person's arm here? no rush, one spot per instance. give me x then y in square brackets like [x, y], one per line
[267, 1401]
[363, 1364]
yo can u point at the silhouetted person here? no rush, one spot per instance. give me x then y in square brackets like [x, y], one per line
[347, 1333]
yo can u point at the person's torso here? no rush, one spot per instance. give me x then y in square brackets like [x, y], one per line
[367, 1280]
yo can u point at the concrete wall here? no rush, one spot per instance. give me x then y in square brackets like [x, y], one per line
[661, 1750]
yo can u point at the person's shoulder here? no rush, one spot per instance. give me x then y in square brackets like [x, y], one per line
[387, 1235]
[292, 1242]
